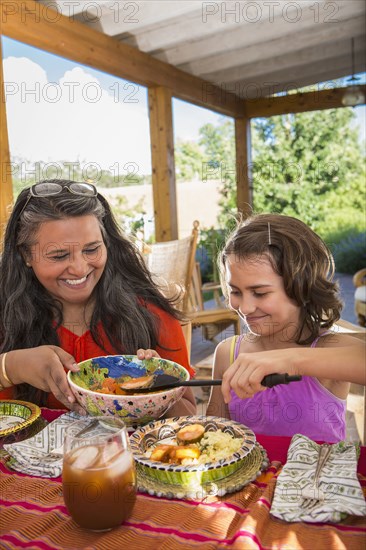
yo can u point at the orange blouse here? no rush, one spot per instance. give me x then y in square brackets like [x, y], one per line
[170, 337]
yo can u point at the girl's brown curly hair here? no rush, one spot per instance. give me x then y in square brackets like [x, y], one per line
[299, 256]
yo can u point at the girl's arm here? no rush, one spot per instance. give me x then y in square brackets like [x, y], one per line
[346, 363]
[216, 404]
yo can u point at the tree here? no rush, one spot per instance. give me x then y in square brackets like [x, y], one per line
[308, 165]
[188, 160]
[219, 148]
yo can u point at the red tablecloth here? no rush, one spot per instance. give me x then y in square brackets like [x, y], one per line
[33, 515]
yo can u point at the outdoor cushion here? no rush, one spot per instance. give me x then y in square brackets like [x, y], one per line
[360, 294]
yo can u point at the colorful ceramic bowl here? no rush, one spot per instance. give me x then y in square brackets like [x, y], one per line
[149, 436]
[133, 409]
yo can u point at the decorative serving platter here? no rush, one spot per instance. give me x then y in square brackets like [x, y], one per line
[252, 466]
[17, 415]
[194, 475]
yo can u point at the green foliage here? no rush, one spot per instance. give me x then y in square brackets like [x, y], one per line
[345, 236]
[210, 244]
[220, 164]
[310, 166]
[188, 160]
[342, 224]
[350, 253]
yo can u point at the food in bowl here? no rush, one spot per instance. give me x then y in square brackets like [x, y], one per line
[133, 409]
[122, 387]
[213, 467]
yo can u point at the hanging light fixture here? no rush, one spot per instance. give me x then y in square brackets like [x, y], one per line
[353, 95]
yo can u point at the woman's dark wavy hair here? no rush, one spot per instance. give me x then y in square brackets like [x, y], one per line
[299, 256]
[29, 316]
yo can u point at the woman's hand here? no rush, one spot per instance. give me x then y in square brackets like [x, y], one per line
[43, 368]
[147, 353]
[245, 375]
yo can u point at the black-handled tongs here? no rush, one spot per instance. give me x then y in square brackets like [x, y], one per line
[167, 382]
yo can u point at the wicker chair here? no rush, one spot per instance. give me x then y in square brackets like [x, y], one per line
[171, 264]
[174, 268]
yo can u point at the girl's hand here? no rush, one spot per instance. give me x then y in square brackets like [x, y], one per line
[147, 353]
[43, 368]
[245, 375]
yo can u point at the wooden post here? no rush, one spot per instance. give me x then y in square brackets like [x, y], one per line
[6, 187]
[163, 168]
[244, 185]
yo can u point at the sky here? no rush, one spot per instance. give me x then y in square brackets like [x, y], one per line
[60, 110]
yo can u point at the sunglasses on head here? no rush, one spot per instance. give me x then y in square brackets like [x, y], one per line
[49, 189]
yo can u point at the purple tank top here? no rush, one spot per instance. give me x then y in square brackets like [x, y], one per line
[304, 407]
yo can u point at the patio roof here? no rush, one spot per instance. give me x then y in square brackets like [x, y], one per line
[252, 49]
[225, 56]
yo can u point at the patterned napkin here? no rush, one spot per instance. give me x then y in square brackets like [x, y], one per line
[338, 482]
[34, 455]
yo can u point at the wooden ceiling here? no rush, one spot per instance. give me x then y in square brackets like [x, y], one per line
[250, 48]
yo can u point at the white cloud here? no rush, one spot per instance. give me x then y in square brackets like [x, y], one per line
[75, 118]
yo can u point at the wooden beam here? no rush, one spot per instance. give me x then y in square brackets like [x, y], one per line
[36, 24]
[297, 103]
[243, 166]
[6, 187]
[163, 167]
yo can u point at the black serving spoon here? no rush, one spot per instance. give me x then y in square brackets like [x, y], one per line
[167, 382]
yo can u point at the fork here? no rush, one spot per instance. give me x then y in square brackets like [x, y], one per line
[313, 494]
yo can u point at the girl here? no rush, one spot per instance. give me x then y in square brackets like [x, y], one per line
[73, 287]
[277, 274]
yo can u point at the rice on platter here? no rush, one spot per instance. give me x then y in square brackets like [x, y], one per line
[217, 445]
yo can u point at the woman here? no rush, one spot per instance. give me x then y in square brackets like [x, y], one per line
[72, 286]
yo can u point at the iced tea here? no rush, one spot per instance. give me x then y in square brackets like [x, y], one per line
[99, 481]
